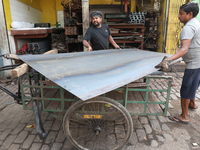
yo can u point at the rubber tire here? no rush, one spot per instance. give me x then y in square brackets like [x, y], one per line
[96, 99]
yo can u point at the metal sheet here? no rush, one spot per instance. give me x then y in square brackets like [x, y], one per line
[89, 74]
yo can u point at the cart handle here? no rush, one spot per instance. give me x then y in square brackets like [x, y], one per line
[16, 97]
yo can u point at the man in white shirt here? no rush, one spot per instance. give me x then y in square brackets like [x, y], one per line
[190, 52]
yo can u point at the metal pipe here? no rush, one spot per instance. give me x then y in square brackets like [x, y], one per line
[16, 97]
[39, 126]
[165, 29]
[9, 67]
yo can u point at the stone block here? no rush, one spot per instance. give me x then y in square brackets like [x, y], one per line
[27, 143]
[141, 134]
[165, 127]
[143, 120]
[14, 147]
[6, 144]
[133, 140]
[21, 137]
[155, 125]
[168, 137]
[154, 143]
[36, 146]
[147, 128]
[57, 146]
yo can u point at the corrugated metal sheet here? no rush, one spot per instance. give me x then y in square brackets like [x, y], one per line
[89, 74]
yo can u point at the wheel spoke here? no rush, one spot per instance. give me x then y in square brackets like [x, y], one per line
[81, 122]
[110, 131]
[86, 114]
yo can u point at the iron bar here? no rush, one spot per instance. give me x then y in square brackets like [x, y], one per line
[15, 96]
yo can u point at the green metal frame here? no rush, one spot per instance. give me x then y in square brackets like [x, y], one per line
[147, 90]
[124, 101]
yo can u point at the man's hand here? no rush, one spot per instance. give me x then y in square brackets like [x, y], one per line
[89, 49]
[117, 47]
[163, 65]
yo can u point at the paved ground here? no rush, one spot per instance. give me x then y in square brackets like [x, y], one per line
[150, 132]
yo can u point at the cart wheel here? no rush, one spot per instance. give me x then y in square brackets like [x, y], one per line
[98, 124]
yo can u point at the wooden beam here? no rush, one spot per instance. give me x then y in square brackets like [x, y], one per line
[20, 70]
[54, 51]
[85, 17]
[14, 56]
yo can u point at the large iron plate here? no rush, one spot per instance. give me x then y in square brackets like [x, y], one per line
[89, 74]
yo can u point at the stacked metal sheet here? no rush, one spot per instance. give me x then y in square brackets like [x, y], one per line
[39, 46]
[71, 30]
[58, 42]
[79, 39]
[151, 32]
[33, 48]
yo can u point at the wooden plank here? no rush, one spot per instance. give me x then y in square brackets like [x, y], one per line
[54, 51]
[30, 32]
[133, 108]
[20, 70]
[111, 94]
[153, 108]
[69, 95]
[54, 104]
[50, 94]
[138, 96]
[119, 95]
[14, 56]
[48, 83]
[66, 104]
[30, 104]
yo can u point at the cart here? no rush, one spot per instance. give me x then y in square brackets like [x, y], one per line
[96, 123]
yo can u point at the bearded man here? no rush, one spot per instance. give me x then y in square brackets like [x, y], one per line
[98, 34]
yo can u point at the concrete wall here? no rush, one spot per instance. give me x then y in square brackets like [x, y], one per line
[4, 46]
[49, 11]
[14, 11]
[33, 3]
[23, 12]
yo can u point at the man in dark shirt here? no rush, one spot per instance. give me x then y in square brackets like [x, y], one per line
[99, 34]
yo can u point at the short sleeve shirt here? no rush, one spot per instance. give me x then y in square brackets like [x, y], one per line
[192, 31]
[98, 37]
